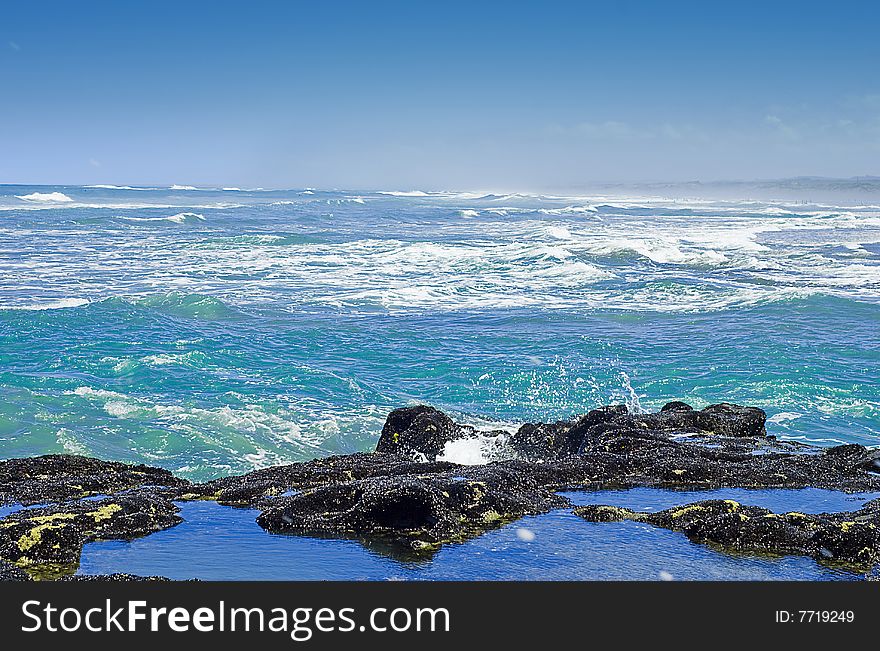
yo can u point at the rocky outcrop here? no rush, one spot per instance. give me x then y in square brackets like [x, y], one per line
[419, 432]
[48, 541]
[60, 477]
[402, 500]
[851, 539]
[544, 442]
[418, 512]
[422, 432]
[549, 441]
[9, 572]
[630, 458]
[255, 488]
[724, 419]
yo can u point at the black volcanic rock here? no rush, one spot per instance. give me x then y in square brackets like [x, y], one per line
[59, 477]
[419, 431]
[417, 512]
[723, 419]
[676, 405]
[546, 441]
[401, 500]
[851, 539]
[9, 572]
[49, 540]
[422, 432]
[258, 486]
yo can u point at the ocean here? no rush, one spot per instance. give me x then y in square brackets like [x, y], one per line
[215, 331]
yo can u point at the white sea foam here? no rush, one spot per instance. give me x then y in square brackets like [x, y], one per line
[71, 444]
[182, 187]
[659, 250]
[632, 253]
[569, 210]
[466, 452]
[525, 535]
[183, 217]
[104, 186]
[45, 197]
[179, 218]
[560, 232]
[251, 432]
[406, 193]
[48, 305]
[784, 416]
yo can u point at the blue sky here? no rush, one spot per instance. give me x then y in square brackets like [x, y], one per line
[529, 96]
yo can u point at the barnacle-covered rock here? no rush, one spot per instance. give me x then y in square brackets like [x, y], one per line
[851, 539]
[417, 512]
[49, 540]
[59, 477]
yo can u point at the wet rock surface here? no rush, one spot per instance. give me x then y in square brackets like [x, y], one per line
[420, 433]
[631, 458]
[59, 477]
[404, 501]
[259, 487]
[47, 542]
[417, 512]
[9, 572]
[848, 539]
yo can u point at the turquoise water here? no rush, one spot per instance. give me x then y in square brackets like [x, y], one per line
[218, 331]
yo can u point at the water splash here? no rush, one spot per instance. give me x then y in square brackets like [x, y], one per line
[631, 397]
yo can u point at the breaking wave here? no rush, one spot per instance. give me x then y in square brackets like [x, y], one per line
[45, 197]
[179, 218]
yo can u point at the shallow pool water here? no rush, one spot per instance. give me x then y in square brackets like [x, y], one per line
[224, 543]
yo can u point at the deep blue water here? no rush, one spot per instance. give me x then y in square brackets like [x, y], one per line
[213, 332]
[224, 543]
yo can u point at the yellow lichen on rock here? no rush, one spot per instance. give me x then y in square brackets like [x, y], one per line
[105, 512]
[687, 509]
[40, 519]
[35, 535]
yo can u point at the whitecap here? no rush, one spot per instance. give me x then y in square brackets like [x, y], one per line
[559, 232]
[484, 447]
[50, 305]
[70, 444]
[405, 193]
[569, 210]
[45, 197]
[784, 416]
[179, 218]
[183, 217]
[105, 186]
